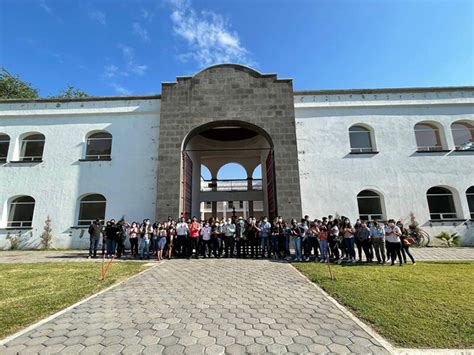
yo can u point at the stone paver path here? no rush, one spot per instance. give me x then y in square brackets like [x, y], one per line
[204, 306]
[30, 256]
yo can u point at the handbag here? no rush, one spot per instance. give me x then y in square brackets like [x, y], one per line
[408, 241]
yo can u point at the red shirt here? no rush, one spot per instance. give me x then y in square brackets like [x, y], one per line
[194, 230]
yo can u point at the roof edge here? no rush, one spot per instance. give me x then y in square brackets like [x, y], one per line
[82, 99]
[383, 90]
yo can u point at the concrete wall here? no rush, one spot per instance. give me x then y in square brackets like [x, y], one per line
[128, 181]
[331, 178]
[228, 93]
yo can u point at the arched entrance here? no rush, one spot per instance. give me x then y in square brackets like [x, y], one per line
[245, 105]
[216, 145]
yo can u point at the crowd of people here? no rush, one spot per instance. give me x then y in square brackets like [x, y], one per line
[323, 240]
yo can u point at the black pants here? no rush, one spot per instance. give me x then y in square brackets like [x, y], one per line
[192, 243]
[358, 244]
[120, 247]
[311, 244]
[229, 244]
[134, 246]
[181, 245]
[394, 251]
[334, 247]
[240, 246]
[405, 252]
[366, 246]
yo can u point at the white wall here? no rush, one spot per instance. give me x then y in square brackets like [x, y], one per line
[331, 178]
[128, 181]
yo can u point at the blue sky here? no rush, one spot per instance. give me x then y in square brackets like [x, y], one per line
[127, 47]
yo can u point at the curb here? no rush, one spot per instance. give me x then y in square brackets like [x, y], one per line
[385, 343]
[61, 312]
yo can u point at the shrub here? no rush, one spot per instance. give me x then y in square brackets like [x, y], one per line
[449, 239]
[47, 235]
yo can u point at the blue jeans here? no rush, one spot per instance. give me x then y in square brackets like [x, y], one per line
[144, 246]
[297, 243]
[93, 246]
[349, 245]
[111, 245]
[323, 246]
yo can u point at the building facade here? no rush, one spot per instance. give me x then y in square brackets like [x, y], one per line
[373, 154]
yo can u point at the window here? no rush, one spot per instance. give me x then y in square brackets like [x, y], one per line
[99, 146]
[4, 145]
[91, 207]
[32, 147]
[428, 137]
[470, 200]
[360, 139]
[370, 205]
[241, 204]
[208, 204]
[463, 135]
[21, 211]
[441, 203]
[230, 204]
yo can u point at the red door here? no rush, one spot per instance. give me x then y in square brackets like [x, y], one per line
[271, 192]
[187, 186]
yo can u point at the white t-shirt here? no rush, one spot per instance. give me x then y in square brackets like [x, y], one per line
[390, 235]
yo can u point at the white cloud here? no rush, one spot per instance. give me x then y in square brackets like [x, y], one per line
[45, 7]
[207, 35]
[98, 16]
[147, 15]
[111, 71]
[121, 90]
[137, 69]
[141, 32]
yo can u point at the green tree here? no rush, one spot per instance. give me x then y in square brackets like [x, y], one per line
[70, 92]
[12, 87]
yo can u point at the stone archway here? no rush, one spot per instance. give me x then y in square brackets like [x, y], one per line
[218, 144]
[228, 92]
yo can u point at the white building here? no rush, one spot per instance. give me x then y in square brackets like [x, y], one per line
[379, 153]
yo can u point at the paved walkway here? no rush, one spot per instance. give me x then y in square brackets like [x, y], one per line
[34, 256]
[204, 306]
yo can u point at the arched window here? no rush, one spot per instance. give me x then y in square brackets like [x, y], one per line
[4, 145]
[32, 147]
[470, 200]
[463, 135]
[91, 207]
[441, 203]
[428, 137]
[21, 211]
[370, 205]
[99, 146]
[360, 139]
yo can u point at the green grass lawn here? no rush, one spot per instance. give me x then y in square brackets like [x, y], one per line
[429, 305]
[30, 292]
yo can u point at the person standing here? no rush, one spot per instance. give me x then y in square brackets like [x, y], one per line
[363, 236]
[323, 243]
[406, 242]
[133, 233]
[206, 247]
[377, 235]
[348, 234]
[111, 231]
[161, 241]
[334, 239]
[146, 232]
[240, 236]
[182, 230]
[312, 243]
[95, 232]
[194, 228]
[265, 230]
[229, 235]
[392, 238]
[295, 233]
[121, 237]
